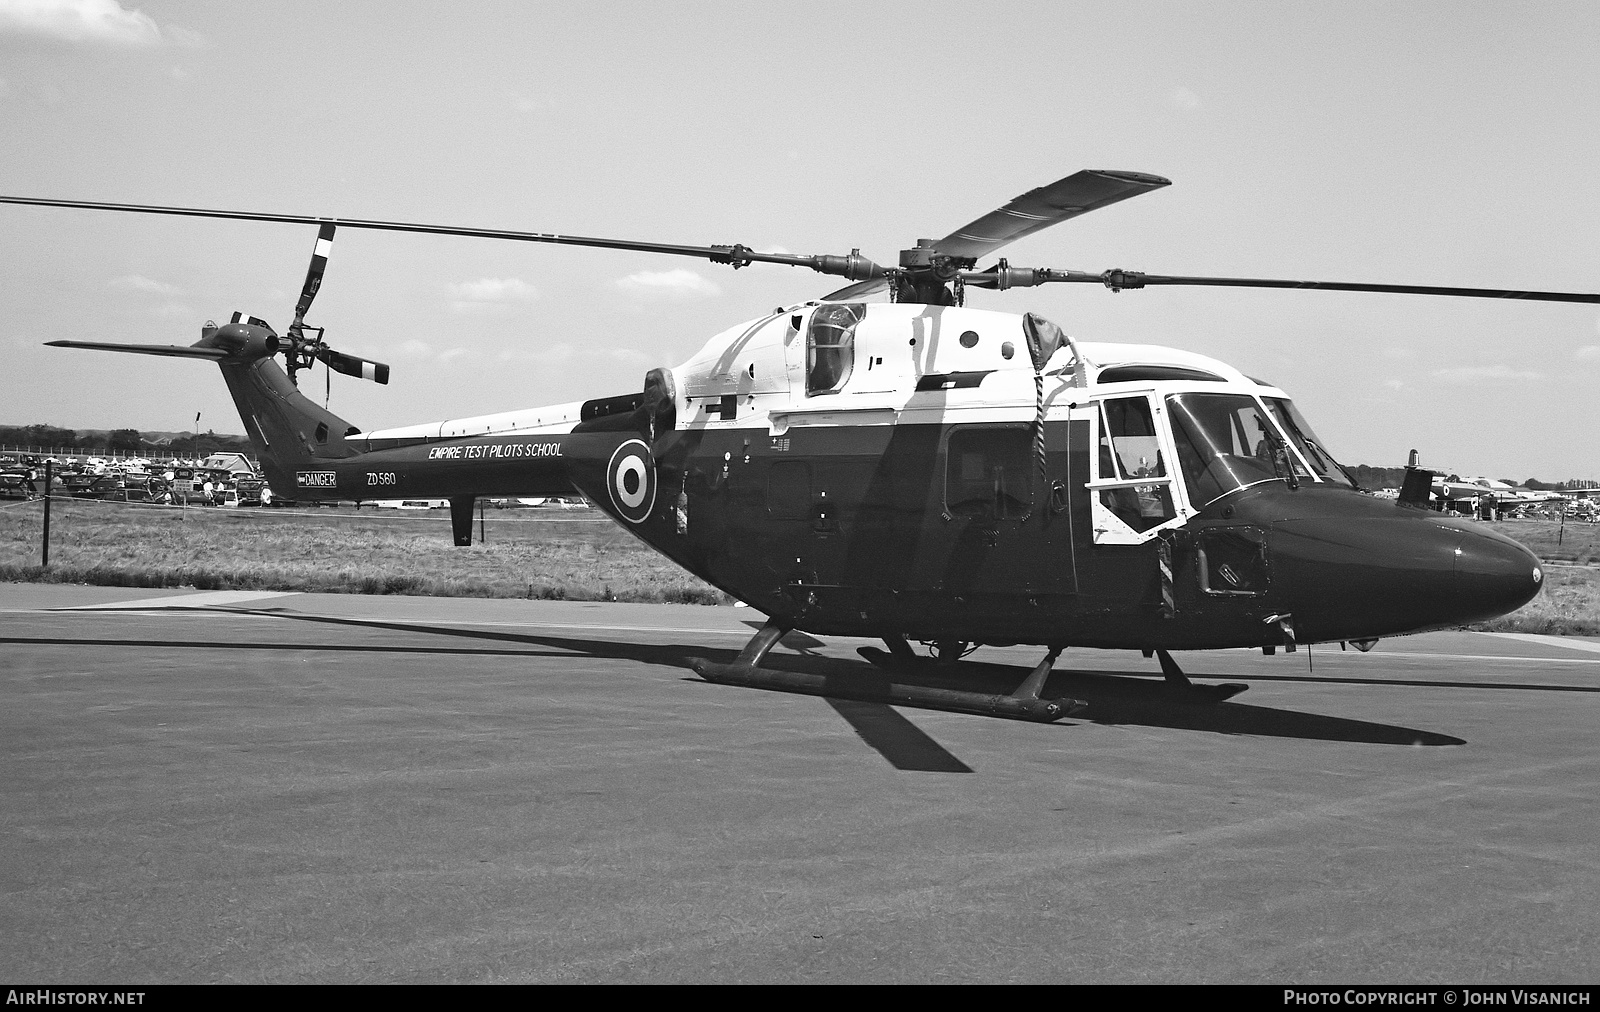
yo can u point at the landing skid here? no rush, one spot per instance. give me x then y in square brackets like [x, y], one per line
[1023, 704]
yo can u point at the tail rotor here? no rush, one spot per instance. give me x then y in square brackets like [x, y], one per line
[301, 351]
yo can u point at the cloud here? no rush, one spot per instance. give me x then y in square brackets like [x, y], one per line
[1400, 354]
[1394, 384]
[547, 355]
[135, 283]
[491, 295]
[1588, 353]
[678, 285]
[1469, 374]
[1183, 98]
[419, 351]
[89, 22]
[171, 307]
[564, 354]
[632, 357]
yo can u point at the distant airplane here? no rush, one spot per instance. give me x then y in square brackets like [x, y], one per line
[1506, 495]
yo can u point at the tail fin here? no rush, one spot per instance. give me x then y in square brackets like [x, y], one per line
[289, 431]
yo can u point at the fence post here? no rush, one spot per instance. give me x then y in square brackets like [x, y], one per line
[45, 561]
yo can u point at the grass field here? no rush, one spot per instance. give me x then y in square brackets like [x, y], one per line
[573, 554]
[1570, 604]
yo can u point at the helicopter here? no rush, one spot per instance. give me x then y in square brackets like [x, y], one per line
[918, 470]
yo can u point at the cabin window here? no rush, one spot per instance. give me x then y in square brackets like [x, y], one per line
[830, 346]
[1227, 441]
[1130, 450]
[987, 473]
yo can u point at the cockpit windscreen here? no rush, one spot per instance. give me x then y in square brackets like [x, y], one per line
[1226, 441]
[1321, 460]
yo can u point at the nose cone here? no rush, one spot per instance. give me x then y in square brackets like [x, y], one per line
[1357, 577]
[1494, 574]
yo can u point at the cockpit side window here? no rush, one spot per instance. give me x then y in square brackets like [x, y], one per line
[1130, 432]
[830, 346]
[1226, 441]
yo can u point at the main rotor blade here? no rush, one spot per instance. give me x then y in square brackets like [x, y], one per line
[1133, 279]
[853, 266]
[1079, 193]
[167, 350]
[1117, 280]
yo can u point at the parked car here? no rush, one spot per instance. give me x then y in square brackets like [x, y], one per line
[97, 488]
[129, 495]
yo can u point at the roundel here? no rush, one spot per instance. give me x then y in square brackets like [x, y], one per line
[631, 480]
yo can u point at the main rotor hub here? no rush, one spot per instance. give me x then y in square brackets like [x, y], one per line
[920, 255]
[925, 274]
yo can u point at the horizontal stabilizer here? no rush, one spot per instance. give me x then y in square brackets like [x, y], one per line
[168, 350]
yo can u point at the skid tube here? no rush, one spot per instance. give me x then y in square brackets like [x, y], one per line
[871, 687]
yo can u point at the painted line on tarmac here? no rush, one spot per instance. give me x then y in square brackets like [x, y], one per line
[416, 625]
[533, 627]
[181, 601]
[1568, 642]
[228, 600]
[1399, 656]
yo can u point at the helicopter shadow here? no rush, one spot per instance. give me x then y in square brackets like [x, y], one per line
[883, 728]
[1114, 698]
[1118, 698]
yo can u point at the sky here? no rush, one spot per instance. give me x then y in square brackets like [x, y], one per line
[1417, 143]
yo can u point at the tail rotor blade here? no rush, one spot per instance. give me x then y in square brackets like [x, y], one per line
[319, 263]
[350, 365]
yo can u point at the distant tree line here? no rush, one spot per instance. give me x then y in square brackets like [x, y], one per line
[1378, 477]
[1557, 486]
[118, 440]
